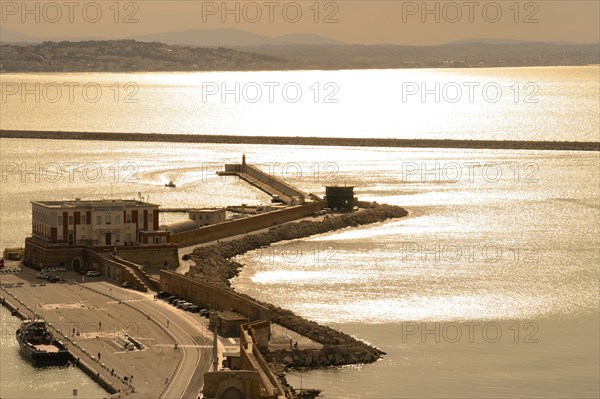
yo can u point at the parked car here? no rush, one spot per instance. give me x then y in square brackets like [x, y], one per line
[176, 302]
[163, 294]
[127, 284]
[93, 273]
[54, 279]
[171, 298]
[184, 305]
[193, 308]
[186, 257]
[42, 276]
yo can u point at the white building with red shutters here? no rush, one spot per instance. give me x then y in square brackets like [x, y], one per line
[62, 229]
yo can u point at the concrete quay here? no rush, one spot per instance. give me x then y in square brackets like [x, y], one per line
[96, 318]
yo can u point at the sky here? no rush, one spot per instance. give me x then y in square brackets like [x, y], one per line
[359, 22]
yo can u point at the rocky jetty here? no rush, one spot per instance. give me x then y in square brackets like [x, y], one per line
[214, 264]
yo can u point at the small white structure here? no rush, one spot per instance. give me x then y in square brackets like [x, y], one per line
[206, 216]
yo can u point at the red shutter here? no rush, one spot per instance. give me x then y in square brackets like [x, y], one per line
[65, 226]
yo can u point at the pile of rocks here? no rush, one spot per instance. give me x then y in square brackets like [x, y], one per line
[213, 262]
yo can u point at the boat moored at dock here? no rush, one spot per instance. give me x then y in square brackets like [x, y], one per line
[38, 345]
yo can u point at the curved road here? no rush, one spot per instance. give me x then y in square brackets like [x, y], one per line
[189, 331]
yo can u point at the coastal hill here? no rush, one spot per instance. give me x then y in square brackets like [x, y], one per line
[469, 54]
[137, 56]
[130, 56]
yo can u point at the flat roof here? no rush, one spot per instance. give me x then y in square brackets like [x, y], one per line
[231, 316]
[93, 203]
[207, 209]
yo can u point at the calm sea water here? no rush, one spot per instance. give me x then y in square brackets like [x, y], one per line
[490, 286]
[496, 103]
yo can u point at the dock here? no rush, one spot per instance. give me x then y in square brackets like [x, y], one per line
[272, 185]
[96, 320]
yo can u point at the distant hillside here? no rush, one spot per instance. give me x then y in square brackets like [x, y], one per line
[134, 56]
[232, 37]
[459, 55]
[192, 37]
[130, 56]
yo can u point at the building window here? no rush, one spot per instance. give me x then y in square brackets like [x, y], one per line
[108, 219]
[128, 218]
[150, 218]
[70, 219]
[117, 219]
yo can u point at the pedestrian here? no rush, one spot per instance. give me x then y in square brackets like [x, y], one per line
[98, 356]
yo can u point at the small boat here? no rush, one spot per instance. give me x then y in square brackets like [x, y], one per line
[38, 345]
[170, 184]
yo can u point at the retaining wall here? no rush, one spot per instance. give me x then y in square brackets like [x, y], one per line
[245, 225]
[204, 294]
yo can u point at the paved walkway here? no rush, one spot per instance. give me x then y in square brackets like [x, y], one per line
[97, 317]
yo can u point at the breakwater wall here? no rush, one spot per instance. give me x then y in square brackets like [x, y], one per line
[246, 225]
[306, 141]
[213, 264]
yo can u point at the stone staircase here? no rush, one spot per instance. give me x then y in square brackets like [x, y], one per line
[140, 274]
